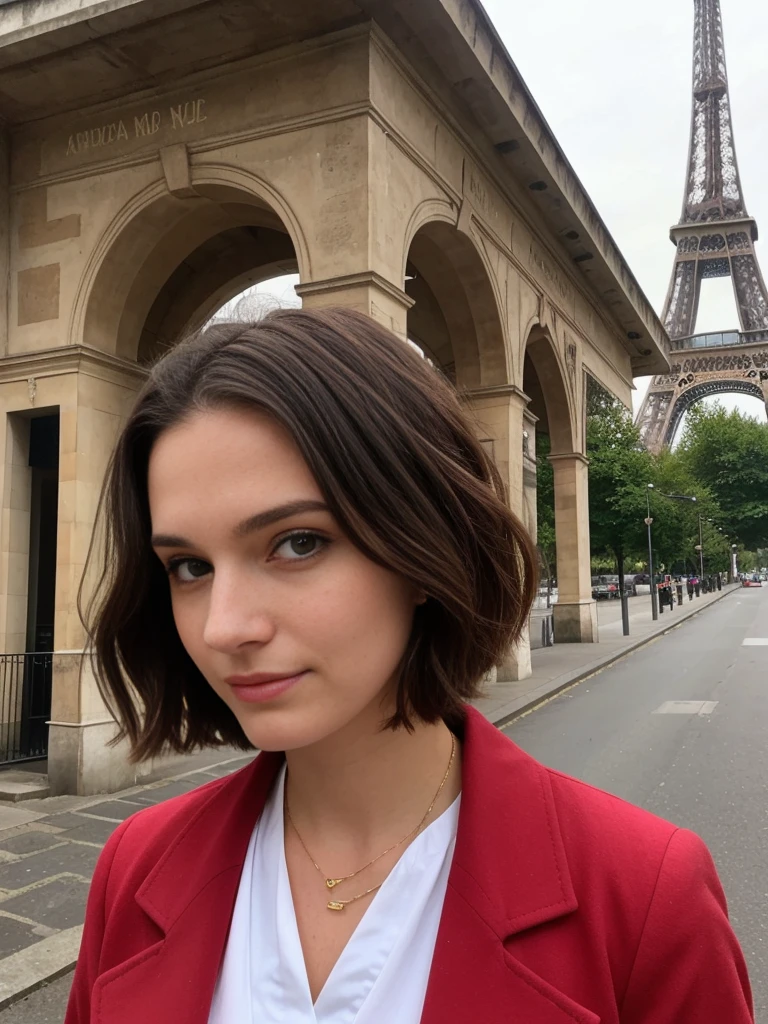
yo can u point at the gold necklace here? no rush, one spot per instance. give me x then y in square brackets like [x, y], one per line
[331, 883]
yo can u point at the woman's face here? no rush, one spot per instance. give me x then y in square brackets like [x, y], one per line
[265, 586]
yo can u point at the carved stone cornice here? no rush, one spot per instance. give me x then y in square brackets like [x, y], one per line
[53, 362]
[367, 278]
[493, 391]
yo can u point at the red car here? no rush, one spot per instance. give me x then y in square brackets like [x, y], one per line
[751, 581]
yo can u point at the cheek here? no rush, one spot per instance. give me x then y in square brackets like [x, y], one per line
[364, 618]
[189, 616]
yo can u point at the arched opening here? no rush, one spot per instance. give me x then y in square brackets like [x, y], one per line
[175, 262]
[549, 412]
[747, 395]
[455, 317]
[561, 486]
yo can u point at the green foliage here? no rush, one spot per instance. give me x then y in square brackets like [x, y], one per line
[545, 505]
[728, 453]
[619, 473]
[619, 469]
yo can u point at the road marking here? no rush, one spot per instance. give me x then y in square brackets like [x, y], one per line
[687, 707]
[755, 641]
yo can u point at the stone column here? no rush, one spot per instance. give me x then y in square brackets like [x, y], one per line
[575, 614]
[498, 413]
[93, 410]
[367, 292]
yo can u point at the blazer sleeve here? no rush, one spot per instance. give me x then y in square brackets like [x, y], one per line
[87, 969]
[689, 967]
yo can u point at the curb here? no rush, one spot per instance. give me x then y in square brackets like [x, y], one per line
[29, 969]
[524, 705]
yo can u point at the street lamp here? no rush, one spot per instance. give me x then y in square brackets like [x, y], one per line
[649, 523]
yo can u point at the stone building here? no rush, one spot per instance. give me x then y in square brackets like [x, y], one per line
[159, 156]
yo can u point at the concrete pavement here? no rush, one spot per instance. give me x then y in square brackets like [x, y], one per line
[49, 847]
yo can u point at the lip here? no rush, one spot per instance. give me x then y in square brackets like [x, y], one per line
[261, 686]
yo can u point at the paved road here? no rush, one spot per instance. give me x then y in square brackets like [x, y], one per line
[704, 772]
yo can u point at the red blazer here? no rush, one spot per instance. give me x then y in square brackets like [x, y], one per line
[564, 906]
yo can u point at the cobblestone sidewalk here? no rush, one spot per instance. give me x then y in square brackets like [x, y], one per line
[46, 863]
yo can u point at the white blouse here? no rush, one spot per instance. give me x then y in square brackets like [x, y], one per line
[382, 973]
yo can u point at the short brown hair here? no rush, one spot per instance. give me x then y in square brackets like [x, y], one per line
[402, 473]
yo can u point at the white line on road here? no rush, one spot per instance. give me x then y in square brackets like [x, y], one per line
[755, 641]
[686, 707]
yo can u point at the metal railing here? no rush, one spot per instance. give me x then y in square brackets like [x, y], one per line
[25, 706]
[719, 339]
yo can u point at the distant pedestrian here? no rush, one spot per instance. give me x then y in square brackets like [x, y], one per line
[307, 551]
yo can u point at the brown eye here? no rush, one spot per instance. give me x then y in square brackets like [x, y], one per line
[300, 546]
[188, 570]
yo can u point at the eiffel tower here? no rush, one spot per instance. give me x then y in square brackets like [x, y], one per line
[715, 238]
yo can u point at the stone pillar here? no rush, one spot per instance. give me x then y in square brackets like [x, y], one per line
[367, 292]
[93, 409]
[499, 414]
[5, 238]
[575, 614]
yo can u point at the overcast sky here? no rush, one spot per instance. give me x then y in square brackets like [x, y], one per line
[613, 79]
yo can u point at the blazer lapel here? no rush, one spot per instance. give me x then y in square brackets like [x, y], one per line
[190, 897]
[509, 874]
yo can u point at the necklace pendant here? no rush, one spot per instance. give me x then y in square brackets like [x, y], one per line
[331, 883]
[333, 905]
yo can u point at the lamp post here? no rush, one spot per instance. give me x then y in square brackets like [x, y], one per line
[674, 497]
[701, 550]
[649, 523]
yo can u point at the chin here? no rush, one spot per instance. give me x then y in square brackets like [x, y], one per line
[273, 729]
[294, 728]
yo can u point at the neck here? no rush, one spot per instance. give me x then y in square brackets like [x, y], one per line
[364, 784]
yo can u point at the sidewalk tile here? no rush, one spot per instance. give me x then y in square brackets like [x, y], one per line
[71, 858]
[94, 830]
[28, 842]
[114, 809]
[57, 904]
[15, 935]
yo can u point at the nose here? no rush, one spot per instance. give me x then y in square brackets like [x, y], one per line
[238, 613]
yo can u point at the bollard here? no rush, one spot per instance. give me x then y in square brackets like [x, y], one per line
[660, 597]
[625, 614]
[679, 593]
[719, 582]
[697, 588]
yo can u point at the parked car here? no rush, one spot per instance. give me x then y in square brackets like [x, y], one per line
[641, 579]
[605, 587]
[752, 581]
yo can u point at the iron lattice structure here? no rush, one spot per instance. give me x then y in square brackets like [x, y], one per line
[715, 238]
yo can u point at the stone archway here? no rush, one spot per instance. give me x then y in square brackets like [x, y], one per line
[161, 268]
[553, 402]
[187, 256]
[455, 315]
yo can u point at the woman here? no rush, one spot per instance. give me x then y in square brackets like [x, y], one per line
[307, 552]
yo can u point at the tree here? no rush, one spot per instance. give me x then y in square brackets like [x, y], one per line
[728, 453]
[619, 471]
[545, 505]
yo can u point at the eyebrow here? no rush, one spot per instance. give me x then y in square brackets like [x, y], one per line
[250, 525]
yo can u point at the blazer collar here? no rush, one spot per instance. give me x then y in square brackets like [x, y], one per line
[510, 861]
[509, 873]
